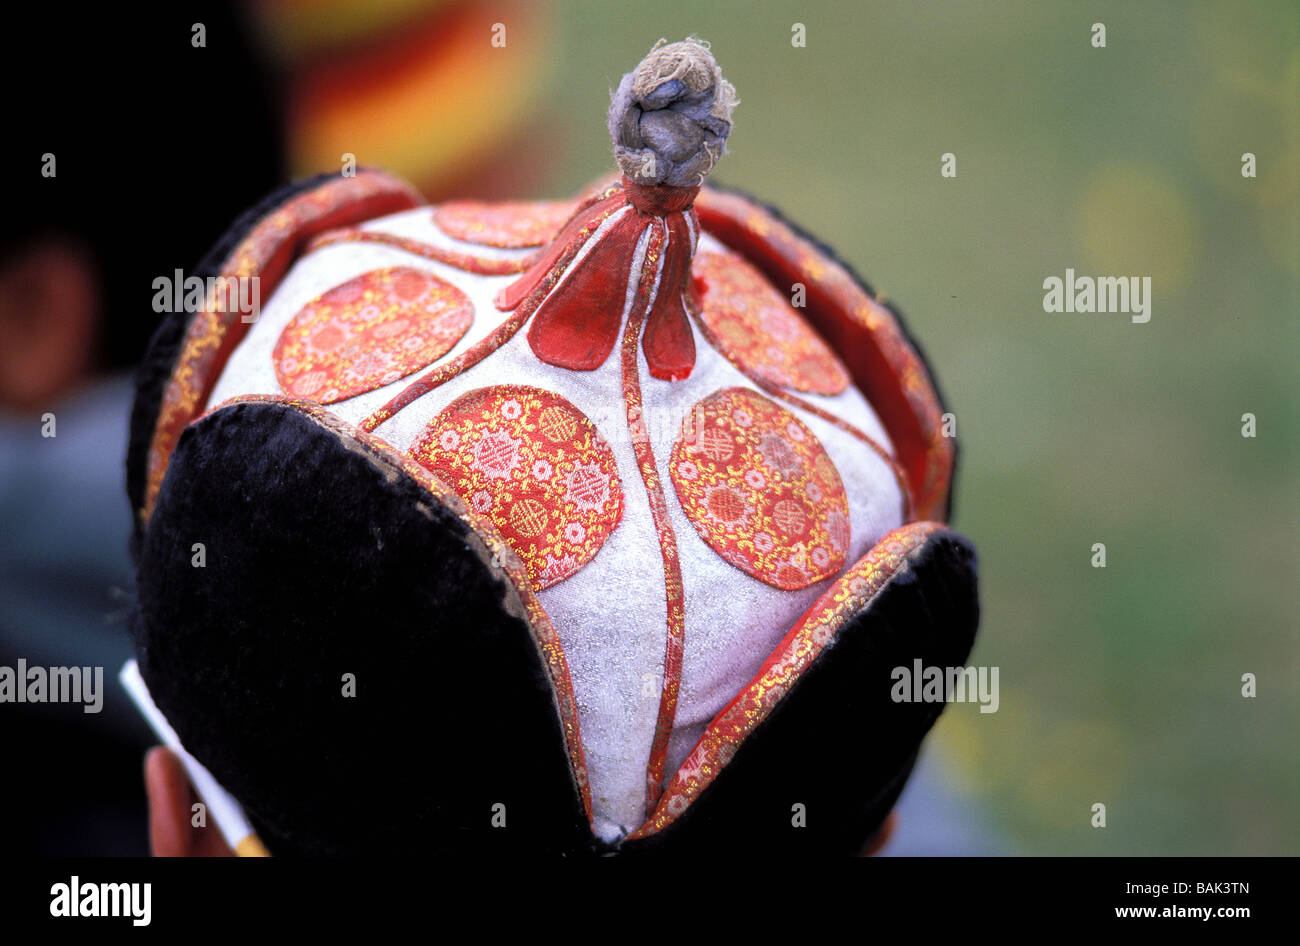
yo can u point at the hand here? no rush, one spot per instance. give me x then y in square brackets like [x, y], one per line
[172, 832]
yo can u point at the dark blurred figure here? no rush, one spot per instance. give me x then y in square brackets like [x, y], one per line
[157, 144]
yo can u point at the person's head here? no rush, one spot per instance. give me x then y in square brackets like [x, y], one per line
[375, 636]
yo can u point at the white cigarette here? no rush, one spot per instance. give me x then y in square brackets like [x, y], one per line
[223, 808]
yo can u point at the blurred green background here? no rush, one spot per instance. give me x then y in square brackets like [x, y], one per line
[1119, 685]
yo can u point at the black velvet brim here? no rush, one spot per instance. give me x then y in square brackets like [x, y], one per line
[321, 560]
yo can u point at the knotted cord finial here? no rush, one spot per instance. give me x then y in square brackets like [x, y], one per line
[671, 115]
[627, 251]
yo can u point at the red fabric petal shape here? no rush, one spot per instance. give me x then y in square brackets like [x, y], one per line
[668, 342]
[576, 326]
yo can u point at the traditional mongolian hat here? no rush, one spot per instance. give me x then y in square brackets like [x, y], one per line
[599, 525]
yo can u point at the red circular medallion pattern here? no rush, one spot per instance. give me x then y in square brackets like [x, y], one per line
[368, 332]
[509, 225]
[536, 466]
[758, 328]
[760, 489]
